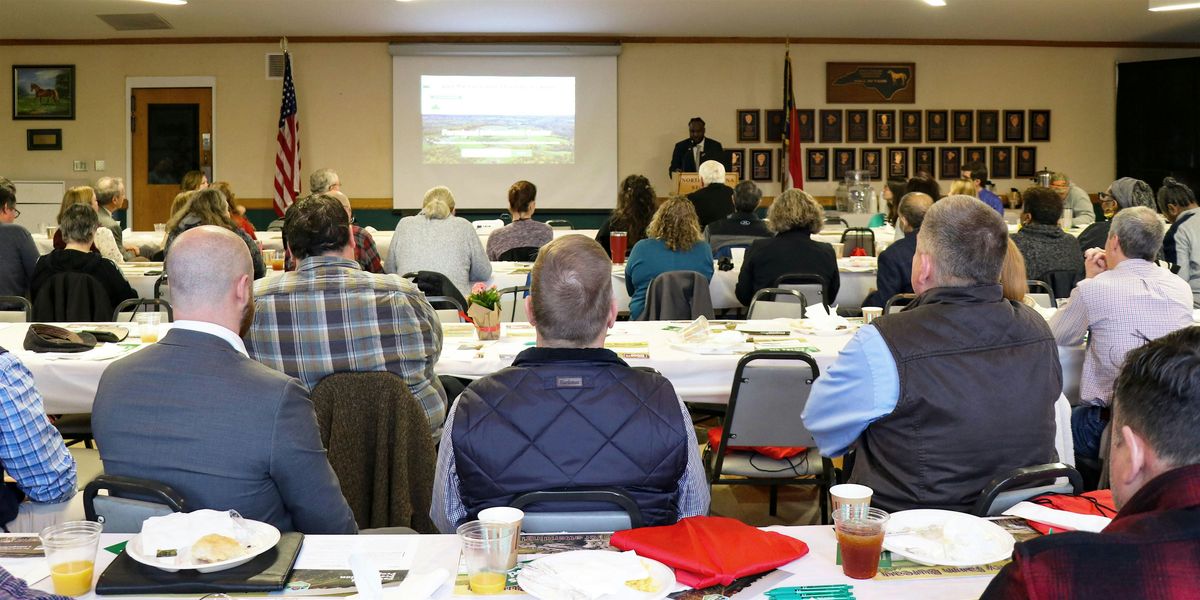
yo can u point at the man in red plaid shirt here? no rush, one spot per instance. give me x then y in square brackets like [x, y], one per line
[1152, 548]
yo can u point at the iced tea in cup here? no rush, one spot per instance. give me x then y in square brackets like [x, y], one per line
[486, 547]
[860, 534]
[71, 551]
[617, 241]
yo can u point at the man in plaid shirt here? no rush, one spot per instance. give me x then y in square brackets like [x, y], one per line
[329, 315]
[1152, 548]
[32, 453]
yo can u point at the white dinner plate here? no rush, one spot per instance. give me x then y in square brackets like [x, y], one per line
[946, 538]
[265, 536]
[663, 576]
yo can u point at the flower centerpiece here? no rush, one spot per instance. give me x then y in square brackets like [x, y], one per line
[483, 309]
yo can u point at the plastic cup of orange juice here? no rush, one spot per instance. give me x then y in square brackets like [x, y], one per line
[486, 548]
[71, 551]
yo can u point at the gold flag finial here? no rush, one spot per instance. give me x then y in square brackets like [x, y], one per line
[283, 44]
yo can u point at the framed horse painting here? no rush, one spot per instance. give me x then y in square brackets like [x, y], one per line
[43, 92]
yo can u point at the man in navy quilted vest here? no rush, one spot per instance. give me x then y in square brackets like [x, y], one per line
[568, 413]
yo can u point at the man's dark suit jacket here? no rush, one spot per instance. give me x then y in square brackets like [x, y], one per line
[682, 160]
[222, 429]
[713, 202]
[895, 271]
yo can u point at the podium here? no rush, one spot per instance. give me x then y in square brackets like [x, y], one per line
[686, 183]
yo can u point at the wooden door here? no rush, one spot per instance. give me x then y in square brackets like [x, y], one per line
[172, 134]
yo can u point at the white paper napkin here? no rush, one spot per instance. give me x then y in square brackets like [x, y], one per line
[1066, 520]
[180, 530]
[590, 575]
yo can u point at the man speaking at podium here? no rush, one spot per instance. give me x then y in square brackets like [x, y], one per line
[696, 149]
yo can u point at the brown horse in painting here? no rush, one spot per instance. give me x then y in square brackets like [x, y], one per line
[44, 95]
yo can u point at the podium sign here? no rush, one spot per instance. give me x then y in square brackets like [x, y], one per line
[686, 183]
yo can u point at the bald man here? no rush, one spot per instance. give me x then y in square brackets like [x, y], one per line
[196, 413]
[895, 263]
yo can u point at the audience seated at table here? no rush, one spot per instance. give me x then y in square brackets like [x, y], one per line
[209, 207]
[18, 253]
[194, 412]
[715, 200]
[1150, 550]
[523, 232]
[1074, 198]
[1181, 245]
[635, 209]
[743, 225]
[103, 241]
[32, 453]
[1043, 243]
[78, 225]
[330, 316]
[894, 271]
[569, 413]
[436, 240]
[1123, 193]
[1126, 300]
[924, 183]
[958, 344]
[236, 213]
[795, 216]
[110, 195]
[672, 244]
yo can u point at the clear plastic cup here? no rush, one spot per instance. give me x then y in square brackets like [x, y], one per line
[486, 547]
[870, 313]
[71, 551]
[160, 228]
[147, 326]
[860, 535]
[509, 518]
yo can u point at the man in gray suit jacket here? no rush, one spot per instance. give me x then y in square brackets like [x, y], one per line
[194, 412]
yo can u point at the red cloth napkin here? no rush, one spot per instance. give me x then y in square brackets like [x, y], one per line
[707, 551]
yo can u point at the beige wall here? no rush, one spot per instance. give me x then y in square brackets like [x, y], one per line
[344, 95]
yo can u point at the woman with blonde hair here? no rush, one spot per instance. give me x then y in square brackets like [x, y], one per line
[673, 243]
[193, 181]
[964, 187]
[1013, 279]
[104, 242]
[235, 211]
[209, 207]
[795, 216]
[436, 240]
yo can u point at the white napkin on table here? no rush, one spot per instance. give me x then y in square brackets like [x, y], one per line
[817, 320]
[587, 576]
[1066, 520]
[178, 531]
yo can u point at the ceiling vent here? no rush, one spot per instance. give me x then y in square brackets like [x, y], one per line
[274, 65]
[136, 22]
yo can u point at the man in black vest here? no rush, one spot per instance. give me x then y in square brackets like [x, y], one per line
[569, 413]
[957, 388]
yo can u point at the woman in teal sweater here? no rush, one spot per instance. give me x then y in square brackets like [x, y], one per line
[673, 243]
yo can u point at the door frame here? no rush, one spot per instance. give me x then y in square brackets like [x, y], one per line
[132, 83]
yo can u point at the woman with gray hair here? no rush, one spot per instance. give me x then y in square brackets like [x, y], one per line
[794, 216]
[436, 240]
[1123, 193]
[78, 224]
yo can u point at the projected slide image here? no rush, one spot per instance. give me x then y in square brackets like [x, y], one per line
[497, 120]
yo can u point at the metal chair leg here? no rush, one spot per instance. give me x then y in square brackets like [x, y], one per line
[774, 500]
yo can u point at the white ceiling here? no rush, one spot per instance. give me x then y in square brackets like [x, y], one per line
[1045, 20]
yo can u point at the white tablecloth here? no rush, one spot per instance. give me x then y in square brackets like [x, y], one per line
[818, 567]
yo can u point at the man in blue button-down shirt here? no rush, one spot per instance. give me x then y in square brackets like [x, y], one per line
[32, 453]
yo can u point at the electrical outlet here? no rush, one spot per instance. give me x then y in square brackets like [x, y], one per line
[100, 165]
[80, 165]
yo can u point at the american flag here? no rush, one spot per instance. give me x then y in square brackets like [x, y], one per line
[287, 158]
